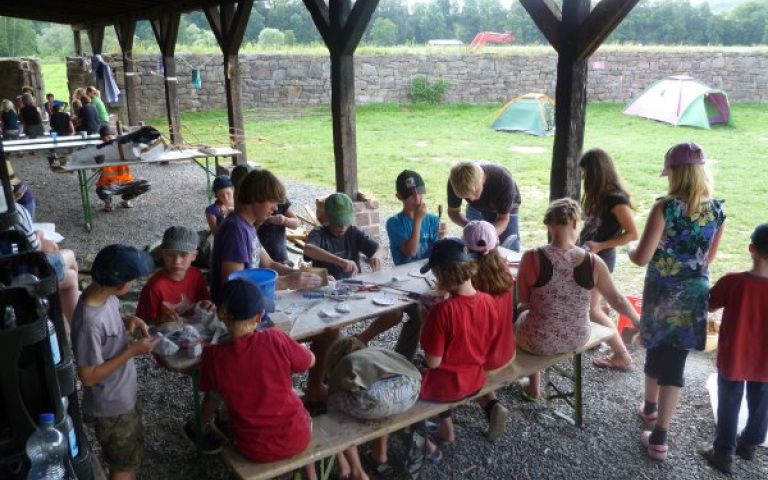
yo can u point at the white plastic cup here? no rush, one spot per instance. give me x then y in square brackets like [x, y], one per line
[84, 135]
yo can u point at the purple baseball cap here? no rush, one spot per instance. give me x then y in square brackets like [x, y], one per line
[687, 153]
[480, 236]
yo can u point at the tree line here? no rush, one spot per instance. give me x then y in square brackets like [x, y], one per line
[287, 22]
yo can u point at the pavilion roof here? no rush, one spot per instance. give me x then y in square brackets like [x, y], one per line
[81, 13]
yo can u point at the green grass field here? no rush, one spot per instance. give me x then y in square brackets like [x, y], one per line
[298, 145]
[55, 78]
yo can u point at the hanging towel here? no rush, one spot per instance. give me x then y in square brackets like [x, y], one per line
[196, 80]
[103, 72]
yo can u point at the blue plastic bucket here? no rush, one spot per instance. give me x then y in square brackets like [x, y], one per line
[264, 278]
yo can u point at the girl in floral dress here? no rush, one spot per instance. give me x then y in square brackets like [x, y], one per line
[679, 242]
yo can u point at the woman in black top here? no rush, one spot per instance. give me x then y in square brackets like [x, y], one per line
[31, 117]
[608, 224]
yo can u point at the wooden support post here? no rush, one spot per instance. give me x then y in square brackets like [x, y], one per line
[341, 25]
[78, 42]
[96, 38]
[228, 25]
[166, 29]
[125, 31]
[571, 103]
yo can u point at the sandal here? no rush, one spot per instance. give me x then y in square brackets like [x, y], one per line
[432, 428]
[108, 207]
[126, 204]
[435, 457]
[383, 470]
[609, 362]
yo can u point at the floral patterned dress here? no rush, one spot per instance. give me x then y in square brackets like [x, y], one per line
[677, 280]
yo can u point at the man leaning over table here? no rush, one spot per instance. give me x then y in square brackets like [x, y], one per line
[491, 194]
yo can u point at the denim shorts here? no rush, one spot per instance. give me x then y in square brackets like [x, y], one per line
[57, 263]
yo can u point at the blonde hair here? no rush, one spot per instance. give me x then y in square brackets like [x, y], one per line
[493, 275]
[340, 349]
[450, 277]
[465, 178]
[562, 212]
[8, 106]
[239, 328]
[691, 183]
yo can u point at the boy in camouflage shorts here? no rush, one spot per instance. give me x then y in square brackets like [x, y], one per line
[105, 358]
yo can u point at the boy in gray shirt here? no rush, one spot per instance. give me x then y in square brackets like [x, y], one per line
[104, 357]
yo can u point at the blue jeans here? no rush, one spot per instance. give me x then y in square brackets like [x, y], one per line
[510, 237]
[729, 395]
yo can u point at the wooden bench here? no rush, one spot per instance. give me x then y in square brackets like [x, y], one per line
[333, 433]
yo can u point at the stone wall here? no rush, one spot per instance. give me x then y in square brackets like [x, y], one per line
[17, 72]
[278, 81]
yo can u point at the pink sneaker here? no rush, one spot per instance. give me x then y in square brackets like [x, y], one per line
[656, 452]
[648, 417]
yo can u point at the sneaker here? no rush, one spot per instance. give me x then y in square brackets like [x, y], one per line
[208, 444]
[126, 204]
[745, 450]
[648, 417]
[498, 422]
[656, 452]
[721, 463]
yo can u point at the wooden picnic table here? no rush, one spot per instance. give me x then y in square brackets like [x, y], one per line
[45, 143]
[89, 171]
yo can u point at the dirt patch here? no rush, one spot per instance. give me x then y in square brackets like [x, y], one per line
[526, 150]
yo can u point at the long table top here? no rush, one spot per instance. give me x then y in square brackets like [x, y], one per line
[184, 154]
[299, 315]
[45, 143]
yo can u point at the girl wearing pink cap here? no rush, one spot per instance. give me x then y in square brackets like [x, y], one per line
[494, 277]
[679, 242]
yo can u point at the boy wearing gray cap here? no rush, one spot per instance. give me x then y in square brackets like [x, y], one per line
[105, 359]
[179, 287]
[742, 357]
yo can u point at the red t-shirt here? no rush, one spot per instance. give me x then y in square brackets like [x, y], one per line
[253, 377]
[741, 348]
[160, 288]
[503, 342]
[458, 330]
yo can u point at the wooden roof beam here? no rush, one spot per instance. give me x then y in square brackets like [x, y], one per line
[96, 38]
[318, 10]
[548, 17]
[356, 23]
[603, 20]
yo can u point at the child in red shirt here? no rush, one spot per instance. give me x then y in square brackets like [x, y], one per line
[176, 289]
[457, 332]
[252, 375]
[494, 277]
[742, 357]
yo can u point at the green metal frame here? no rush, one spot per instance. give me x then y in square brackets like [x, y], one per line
[572, 398]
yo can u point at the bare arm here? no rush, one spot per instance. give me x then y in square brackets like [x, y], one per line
[457, 217]
[377, 259]
[715, 245]
[212, 222]
[316, 253]
[526, 277]
[290, 220]
[604, 284]
[433, 361]
[502, 220]
[228, 268]
[651, 237]
[628, 230]
[410, 247]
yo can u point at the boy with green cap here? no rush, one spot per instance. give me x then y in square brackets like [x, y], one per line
[337, 245]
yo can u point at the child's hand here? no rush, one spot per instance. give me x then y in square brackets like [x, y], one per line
[421, 211]
[170, 315]
[144, 345]
[132, 323]
[303, 281]
[375, 263]
[207, 305]
[348, 266]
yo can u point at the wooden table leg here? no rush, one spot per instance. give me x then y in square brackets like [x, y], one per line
[85, 195]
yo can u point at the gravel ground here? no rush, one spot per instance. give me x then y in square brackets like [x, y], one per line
[537, 445]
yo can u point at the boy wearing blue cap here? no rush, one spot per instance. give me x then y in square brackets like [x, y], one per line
[224, 191]
[252, 375]
[742, 357]
[104, 357]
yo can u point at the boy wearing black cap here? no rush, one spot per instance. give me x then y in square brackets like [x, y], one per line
[104, 357]
[179, 287]
[742, 357]
[252, 375]
[457, 333]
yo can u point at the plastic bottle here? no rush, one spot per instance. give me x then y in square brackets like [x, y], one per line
[9, 318]
[54, 342]
[46, 449]
[69, 430]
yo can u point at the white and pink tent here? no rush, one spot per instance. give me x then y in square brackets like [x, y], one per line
[682, 100]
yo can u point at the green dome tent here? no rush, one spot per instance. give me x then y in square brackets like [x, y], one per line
[532, 113]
